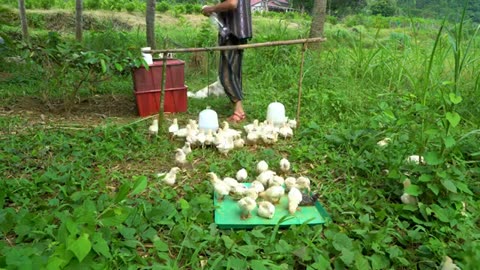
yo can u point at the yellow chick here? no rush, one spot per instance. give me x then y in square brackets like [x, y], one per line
[252, 193]
[292, 123]
[209, 138]
[221, 188]
[294, 199]
[284, 165]
[251, 127]
[407, 198]
[262, 166]
[241, 175]
[252, 137]
[226, 146]
[170, 177]
[266, 209]
[303, 183]
[239, 143]
[273, 194]
[230, 181]
[247, 205]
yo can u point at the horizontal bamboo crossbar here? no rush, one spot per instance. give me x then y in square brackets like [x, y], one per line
[239, 47]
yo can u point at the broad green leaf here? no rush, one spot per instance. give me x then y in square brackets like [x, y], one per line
[114, 217]
[449, 185]
[236, 263]
[440, 213]
[140, 185]
[118, 67]
[100, 246]
[258, 265]
[413, 190]
[184, 204]
[122, 192]
[449, 141]
[433, 158]
[247, 250]
[104, 66]
[81, 247]
[160, 245]
[454, 118]
[347, 256]
[321, 263]
[454, 98]
[341, 241]
[361, 262]
[379, 262]
[434, 188]
[228, 241]
[257, 233]
[425, 178]
[463, 187]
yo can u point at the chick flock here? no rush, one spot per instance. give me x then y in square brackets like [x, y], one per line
[265, 191]
[225, 139]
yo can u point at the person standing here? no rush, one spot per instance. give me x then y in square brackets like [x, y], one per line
[236, 16]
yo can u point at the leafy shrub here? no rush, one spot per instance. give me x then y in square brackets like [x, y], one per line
[332, 20]
[162, 7]
[178, 10]
[385, 8]
[130, 6]
[92, 4]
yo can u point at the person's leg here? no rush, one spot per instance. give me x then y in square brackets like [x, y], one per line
[230, 74]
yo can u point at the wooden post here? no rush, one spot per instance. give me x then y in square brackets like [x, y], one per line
[162, 92]
[300, 81]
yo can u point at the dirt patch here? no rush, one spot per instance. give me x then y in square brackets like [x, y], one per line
[90, 111]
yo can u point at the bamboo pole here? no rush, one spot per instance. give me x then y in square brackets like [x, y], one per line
[300, 82]
[239, 47]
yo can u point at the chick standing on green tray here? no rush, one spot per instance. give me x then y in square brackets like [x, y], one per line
[235, 16]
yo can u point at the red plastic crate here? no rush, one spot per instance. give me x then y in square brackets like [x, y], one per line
[148, 102]
[147, 80]
[148, 85]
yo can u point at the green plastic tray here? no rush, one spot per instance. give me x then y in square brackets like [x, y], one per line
[227, 215]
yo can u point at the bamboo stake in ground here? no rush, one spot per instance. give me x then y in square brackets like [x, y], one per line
[162, 92]
[300, 81]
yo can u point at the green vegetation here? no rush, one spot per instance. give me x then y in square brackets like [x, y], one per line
[83, 193]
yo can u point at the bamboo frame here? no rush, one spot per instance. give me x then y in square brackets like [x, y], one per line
[305, 41]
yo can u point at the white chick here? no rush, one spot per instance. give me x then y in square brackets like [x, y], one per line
[170, 177]
[230, 132]
[187, 149]
[257, 186]
[273, 194]
[449, 265]
[276, 181]
[416, 159]
[220, 187]
[269, 138]
[266, 177]
[262, 166]
[252, 137]
[230, 181]
[153, 128]
[239, 143]
[180, 157]
[294, 199]
[266, 209]
[384, 142]
[407, 198]
[173, 128]
[241, 175]
[251, 127]
[252, 193]
[303, 183]
[290, 182]
[183, 132]
[285, 131]
[238, 191]
[247, 204]
[226, 146]
[284, 165]
[209, 138]
[292, 123]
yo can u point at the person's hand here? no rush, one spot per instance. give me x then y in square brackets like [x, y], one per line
[207, 10]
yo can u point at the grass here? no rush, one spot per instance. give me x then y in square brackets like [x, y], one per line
[82, 193]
